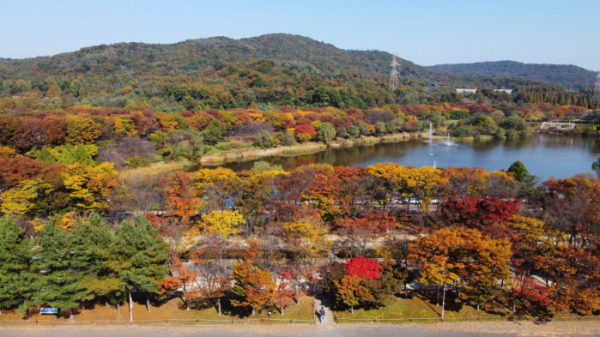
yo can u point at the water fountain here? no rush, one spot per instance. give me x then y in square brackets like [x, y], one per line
[430, 153]
[448, 142]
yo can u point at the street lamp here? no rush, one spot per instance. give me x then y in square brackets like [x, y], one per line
[443, 301]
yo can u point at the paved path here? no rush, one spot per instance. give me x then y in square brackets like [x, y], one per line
[321, 301]
[419, 330]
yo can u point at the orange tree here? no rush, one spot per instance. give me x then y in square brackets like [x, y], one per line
[439, 256]
[253, 286]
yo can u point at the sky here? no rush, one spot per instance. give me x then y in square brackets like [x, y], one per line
[426, 32]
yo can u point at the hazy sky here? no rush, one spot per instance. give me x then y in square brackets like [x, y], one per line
[426, 32]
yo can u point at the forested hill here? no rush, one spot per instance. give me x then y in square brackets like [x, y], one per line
[189, 57]
[217, 72]
[569, 76]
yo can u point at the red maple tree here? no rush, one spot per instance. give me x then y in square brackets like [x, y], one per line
[363, 267]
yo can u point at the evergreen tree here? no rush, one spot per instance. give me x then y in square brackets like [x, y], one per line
[142, 254]
[92, 242]
[66, 156]
[16, 278]
[518, 170]
[82, 156]
[46, 156]
[54, 260]
[214, 132]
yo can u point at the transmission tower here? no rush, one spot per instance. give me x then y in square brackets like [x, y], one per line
[597, 88]
[394, 73]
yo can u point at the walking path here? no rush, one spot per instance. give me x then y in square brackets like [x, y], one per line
[322, 302]
[473, 329]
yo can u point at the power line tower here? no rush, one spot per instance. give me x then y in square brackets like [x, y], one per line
[394, 73]
[597, 88]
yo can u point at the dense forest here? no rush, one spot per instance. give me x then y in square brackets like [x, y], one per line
[568, 76]
[221, 73]
[491, 239]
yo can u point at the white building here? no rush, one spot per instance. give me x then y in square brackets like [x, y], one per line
[473, 91]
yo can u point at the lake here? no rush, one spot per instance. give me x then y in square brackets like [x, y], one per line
[544, 155]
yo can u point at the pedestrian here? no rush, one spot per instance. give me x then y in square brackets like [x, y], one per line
[322, 314]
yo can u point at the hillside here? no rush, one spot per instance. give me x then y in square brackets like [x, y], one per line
[217, 72]
[569, 76]
[191, 56]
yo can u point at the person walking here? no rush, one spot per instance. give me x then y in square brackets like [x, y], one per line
[322, 314]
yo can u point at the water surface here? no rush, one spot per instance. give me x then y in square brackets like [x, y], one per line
[545, 156]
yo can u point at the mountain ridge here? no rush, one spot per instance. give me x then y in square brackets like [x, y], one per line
[567, 75]
[220, 72]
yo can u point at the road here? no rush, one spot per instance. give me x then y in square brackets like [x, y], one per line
[417, 330]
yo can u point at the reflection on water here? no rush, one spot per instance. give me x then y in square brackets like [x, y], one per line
[544, 155]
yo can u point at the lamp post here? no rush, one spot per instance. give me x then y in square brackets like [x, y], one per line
[443, 301]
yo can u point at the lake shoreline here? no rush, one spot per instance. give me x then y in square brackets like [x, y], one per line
[245, 155]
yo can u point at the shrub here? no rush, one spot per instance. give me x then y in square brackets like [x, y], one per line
[136, 161]
[264, 139]
[353, 131]
[326, 133]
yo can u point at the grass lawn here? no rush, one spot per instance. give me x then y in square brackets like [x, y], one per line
[423, 307]
[154, 169]
[173, 310]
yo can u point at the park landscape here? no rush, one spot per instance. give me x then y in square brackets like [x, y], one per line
[278, 180]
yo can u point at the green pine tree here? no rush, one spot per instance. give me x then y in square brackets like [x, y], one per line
[66, 156]
[142, 254]
[46, 156]
[82, 156]
[92, 242]
[16, 277]
[60, 277]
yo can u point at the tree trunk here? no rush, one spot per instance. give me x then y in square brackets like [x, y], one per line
[282, 310]
[130, 307]
[187, 305]
[437, 302]
[219, 305]
[253, 312]
[118, 308]
[148, 303]
[502, 283]
[71, 313]
[106, 303]
[27, 313]
[477, 306]
[83, 305]
[514, 305]
[0, 311]
[352, 309]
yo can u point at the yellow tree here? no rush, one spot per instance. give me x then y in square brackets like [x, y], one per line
[90, 187]
[424, 184]
[530, 237]
[224, 223]
[488, 261]
[438, 255]
[7, 152]
[81, 130]
[212, 185]
[21, 200]
[307, 236]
